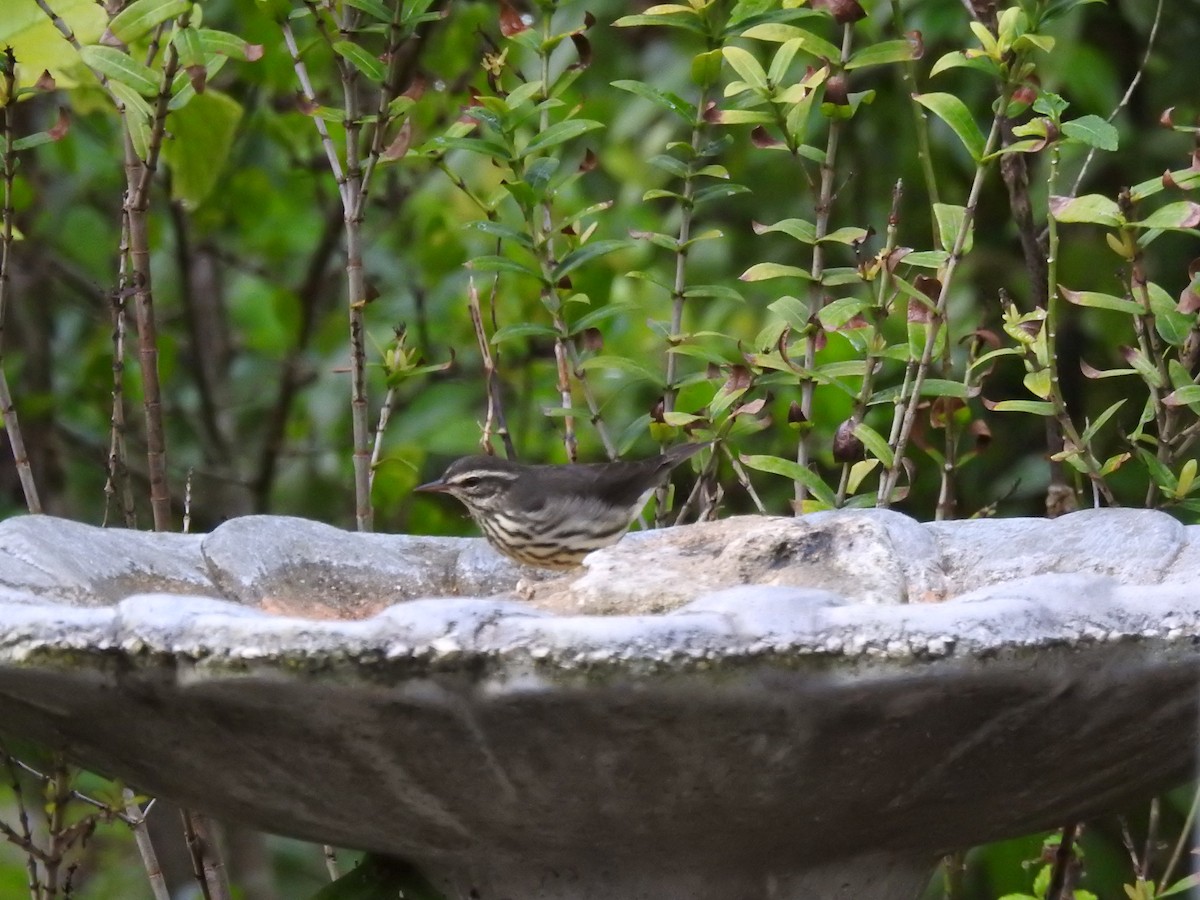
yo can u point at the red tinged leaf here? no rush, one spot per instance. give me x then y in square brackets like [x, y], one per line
[511, 21]
[795, 414]
[589, 161]
[754, 407]
[306, 106]
[198, 76]
[60, 128]
[657, 410]
[712, 113]
[836, 90]
[847, 448]
[979, 430]
[843, 11]
[583, 48]
[400, 143]
[45, 81]
[1168, 180]
[916, 40]
[739, 379]
[1167, 119]
[591, 339]
[929, 286]
[762, 139]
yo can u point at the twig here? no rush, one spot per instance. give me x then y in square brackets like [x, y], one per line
[1124, 101]
[331, 863]
[8, 410]
[900, 445]
[816, 297]
[141, 836]
[1059, 887]
[494, 417]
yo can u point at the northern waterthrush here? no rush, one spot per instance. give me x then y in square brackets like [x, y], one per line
[553, 516]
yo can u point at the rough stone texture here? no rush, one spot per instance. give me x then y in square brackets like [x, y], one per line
[791, 728]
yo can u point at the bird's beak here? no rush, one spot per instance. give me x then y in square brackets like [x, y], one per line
[433, 487]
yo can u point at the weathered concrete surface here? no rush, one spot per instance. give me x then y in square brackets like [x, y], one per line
[794, 726]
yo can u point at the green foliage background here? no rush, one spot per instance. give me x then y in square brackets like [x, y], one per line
[250, 294]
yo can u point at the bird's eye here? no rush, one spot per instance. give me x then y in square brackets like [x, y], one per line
[472, 481]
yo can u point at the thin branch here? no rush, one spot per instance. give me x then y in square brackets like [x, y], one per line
[8, 411]
[1124, 101]
[494, 417]
[141, 836]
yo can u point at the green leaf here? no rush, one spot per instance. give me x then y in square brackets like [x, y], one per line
[522, 329]
[1094, 427]
[838, 312]
[365, 62]
[502, 264]
[956, 59]
[932, 387]
[140, 17]
[950, 220]
[1188, 395]
[765, 271]
[1181, 215]
[747, 67]
[713, 292]
[1091, 208]
[791, 310]
[954, 113]
[801, 229]
[596, 316]
[1101, 301]
[202, 138]
[1092, 131]
[808, 42]
[789, 468]
[121, 68]
[883, 53]
[665, 99]
[632, 367]
[137, 117]
[230, 45]
[372, 8]
[585, 254]
[503, 232]
[560, 133]
[379, 878]
[846, 235]
[875, 442]
[1035, 407]
[1172, 325]
[717, 192]
[782, 61]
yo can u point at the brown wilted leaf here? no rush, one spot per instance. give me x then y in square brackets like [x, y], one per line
[795, 414]
[836, 90]
[843, 11]
[583, 48]
[753, 408]
[511, 21]
[400, 143]
[589, 161]
[979, 430]
[657, 410]
[942, 410]
[198, 76]
[1167, 119]
[762, 139]
[45, 81]
[61, 126]
[847, 448]
[739, 379]
[929, 286]
[592, 340]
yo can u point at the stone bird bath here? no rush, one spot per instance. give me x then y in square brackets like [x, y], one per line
[753, 708]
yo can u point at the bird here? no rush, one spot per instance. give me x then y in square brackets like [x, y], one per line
[552, 516]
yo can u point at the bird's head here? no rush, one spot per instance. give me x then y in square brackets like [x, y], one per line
[478, 482]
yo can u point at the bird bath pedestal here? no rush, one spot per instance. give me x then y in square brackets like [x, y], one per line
[753, 708]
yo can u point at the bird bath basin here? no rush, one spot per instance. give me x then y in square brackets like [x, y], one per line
[754, 708]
